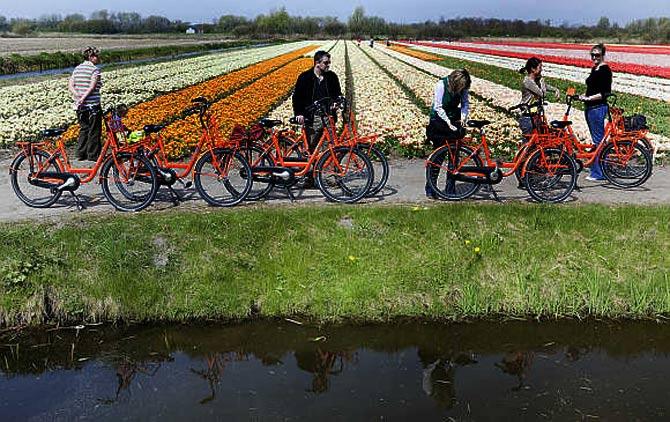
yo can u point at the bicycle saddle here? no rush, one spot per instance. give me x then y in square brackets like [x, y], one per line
[153, 128]
[52, 133]
[268, 123]
[559, 124]
[478, 123]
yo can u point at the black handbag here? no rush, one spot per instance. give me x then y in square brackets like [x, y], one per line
[635, 122]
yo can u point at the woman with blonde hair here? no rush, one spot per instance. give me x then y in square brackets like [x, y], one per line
[451, 105]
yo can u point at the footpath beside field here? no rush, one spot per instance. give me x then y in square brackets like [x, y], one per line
[405, 186]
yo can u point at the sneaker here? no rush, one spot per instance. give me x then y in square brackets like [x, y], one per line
[593, 179]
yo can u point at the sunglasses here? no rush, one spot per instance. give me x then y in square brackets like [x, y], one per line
[595, 55]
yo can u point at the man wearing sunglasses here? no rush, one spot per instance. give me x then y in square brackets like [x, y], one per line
[598, 86]
[312, 85]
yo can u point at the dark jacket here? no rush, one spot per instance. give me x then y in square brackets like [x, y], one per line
[303, 94]
[599, 82]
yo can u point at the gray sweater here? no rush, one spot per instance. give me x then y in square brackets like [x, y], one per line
[532, 92]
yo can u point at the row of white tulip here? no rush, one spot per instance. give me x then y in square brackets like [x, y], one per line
[423, 85]
[381, 106]
[26, 109]
[645, 86]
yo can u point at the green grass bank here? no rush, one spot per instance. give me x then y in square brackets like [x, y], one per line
[366, 263]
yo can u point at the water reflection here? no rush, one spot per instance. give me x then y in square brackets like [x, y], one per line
[322, 364]
[282, 370]
[516, 364]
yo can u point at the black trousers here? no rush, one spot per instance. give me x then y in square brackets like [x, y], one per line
[90, 132]
[438, 133]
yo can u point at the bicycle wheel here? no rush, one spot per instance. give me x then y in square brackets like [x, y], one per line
[344, 174]
[444, 184]
[223, 177]
[551, 175]
[129, 181]
[626, 164]
[262, 183]
[22, 169]
[647, 145]
[380, 165]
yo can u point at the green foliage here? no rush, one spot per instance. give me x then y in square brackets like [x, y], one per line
[21, 272]
[391, 146]
[369, 263]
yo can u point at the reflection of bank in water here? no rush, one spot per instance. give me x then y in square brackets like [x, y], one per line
[322, 364]
[517, 364]
[439, 373]
[398, 370]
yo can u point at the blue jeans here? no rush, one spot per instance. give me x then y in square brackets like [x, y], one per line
[595, 118]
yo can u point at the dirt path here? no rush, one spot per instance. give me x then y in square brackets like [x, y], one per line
[406, 185]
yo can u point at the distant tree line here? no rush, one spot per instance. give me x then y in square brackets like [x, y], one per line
[280, 23]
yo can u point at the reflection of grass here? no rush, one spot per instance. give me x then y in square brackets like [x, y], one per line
[657, 111]
[445, 261]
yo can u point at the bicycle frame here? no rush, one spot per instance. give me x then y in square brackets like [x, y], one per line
[482, 149]
[328, 139]
[207, 143]
[58, 153]
[588, 152]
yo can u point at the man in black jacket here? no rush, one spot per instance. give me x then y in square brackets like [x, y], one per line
[313, 85]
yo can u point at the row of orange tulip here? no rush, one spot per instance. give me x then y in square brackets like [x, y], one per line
[165, 107]
[242, 107]
[415, 53]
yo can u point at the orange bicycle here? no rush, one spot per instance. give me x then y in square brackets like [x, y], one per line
[343, 173]
[221, 174]
[297, 145]
[624, 153]
[458, 169]
[41, 171]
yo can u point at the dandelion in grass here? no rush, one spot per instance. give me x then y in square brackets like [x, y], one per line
[353, 258]
[477, 250]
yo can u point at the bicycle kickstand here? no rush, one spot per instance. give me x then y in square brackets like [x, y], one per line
[290, 194]
[491, 190]
[176, 199]
[80, 205]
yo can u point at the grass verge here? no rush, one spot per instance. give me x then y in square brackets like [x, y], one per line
[368, 263]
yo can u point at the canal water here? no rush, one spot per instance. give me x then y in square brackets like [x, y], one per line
[280, 370]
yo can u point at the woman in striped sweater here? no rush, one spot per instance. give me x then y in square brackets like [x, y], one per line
[84, 85]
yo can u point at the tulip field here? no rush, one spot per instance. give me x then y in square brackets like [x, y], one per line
[391, 88]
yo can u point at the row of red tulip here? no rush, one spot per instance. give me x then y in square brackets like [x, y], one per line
[636, 69]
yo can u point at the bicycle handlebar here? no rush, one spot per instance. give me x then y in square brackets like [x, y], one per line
[201, 106]
[527, 106]
[608, 97]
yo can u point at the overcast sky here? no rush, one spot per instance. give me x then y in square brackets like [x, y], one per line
[572, 11]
